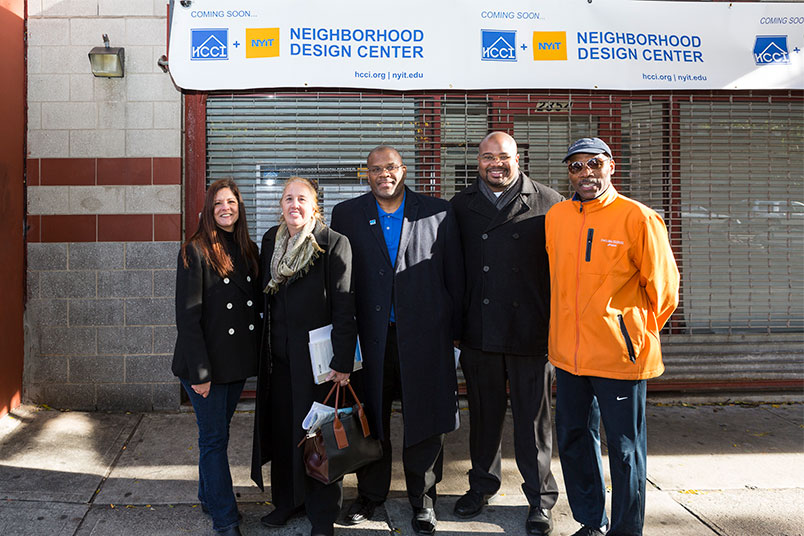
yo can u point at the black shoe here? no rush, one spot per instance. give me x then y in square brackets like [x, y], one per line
[234, 531]
[470, 504]
[329, 531]
[279, 517]
[539, 522]
[360, 510]
[423, 521]
[589, 531]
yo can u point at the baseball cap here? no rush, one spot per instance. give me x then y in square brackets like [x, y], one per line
[588, 145]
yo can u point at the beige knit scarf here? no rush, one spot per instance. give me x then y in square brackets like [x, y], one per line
[293, 255]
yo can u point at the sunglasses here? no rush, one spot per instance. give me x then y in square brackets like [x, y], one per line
[593, 163]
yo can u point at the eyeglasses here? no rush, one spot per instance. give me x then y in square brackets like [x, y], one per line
[390, 168]
[490, 158]
[593, 164]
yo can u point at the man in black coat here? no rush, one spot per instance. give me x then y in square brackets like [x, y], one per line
[505, 315]
[408, 287]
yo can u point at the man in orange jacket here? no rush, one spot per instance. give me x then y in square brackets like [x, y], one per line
[614, 283]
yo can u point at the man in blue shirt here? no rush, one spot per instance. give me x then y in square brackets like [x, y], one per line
[408, 271]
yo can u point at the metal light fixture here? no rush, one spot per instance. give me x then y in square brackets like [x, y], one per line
[107, 61]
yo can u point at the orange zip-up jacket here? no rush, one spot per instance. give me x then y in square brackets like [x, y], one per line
[614, 283]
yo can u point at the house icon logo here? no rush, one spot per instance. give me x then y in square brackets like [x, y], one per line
[209, 44]
[771, 50]
[498, 45]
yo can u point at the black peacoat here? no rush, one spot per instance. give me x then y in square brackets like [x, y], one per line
[426, 286]
[321, 296]
[507, 303]
[218, 322]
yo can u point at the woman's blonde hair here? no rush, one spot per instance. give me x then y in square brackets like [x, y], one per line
[313, 187]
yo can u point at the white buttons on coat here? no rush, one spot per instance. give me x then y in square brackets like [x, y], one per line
[228, 305]
[251, 327]
[249, 303]
[226, 280]
[231, 331]
[248, 278]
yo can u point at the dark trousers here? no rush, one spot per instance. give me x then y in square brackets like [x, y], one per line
[422, 462]
[581, 401]
[213, 415]
[530, 379]
[322, 502]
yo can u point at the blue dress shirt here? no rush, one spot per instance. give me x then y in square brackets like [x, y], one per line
[392, 231]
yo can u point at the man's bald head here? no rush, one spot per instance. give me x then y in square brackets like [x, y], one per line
[498, 161]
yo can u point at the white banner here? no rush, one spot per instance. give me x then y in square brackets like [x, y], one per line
[477, 44]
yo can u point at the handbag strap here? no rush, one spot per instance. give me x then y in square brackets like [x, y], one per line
[337, 425]
[336, 388]
[326, 399]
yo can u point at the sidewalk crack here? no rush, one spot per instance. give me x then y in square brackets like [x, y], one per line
[109, 471]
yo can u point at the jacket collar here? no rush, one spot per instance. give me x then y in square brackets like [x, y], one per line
[410, 213]
[321, 235]
[408, 222]
[598, 203]
[522, 203]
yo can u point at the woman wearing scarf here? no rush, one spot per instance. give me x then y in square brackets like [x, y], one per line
[307, 280]
[217, 304]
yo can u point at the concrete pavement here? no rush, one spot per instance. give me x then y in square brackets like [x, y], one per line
[713, 469]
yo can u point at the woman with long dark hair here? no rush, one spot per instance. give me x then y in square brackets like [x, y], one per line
[218, 300]
[307, 277]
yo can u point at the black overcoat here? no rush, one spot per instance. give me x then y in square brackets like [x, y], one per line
[321, 296]
[506, 307]
[425, 285]
[218, 322]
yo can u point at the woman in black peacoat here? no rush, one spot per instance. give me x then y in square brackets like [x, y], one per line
[217, 315]
[317, 294]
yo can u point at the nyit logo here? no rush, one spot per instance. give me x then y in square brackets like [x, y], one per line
[209, 44]
[498, 45]
[549, 46]
[771, 50]
[262, 42]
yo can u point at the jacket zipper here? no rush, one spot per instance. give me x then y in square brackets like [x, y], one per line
[578, 290]
[589, 234]
[627, 338]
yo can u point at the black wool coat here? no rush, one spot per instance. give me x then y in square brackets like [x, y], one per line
[218, 322]
[425, 286]
[321, 296]
[506, 306]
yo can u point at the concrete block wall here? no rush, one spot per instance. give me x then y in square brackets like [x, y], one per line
[101, 325]
[104, 176]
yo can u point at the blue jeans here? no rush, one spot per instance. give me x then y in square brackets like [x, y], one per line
[581, 401]
[213, 415]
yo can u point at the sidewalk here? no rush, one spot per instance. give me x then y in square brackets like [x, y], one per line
[729, 470]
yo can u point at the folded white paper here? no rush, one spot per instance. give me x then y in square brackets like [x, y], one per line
[320, 414]
[321, 353]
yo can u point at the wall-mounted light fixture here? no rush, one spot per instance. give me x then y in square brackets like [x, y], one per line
[106, 61]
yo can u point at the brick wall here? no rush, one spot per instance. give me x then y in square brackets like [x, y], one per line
[104, 210]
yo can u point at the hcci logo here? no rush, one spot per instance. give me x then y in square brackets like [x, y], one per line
[498, 45]
[549, 46]
[209, 44]
[262, 42]
[771, 50]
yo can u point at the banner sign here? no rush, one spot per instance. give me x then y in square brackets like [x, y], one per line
[478, 44]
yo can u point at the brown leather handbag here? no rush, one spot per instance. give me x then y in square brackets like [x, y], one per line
[341, 445]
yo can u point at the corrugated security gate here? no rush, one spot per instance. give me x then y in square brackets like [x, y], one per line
[725, 171]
